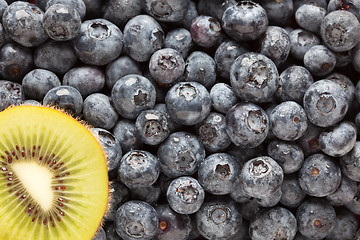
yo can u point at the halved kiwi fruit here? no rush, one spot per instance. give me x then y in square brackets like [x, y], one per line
[53, 176]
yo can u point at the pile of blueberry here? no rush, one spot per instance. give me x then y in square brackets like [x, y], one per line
[221, 119]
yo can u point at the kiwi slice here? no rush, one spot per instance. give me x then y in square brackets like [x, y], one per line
[53, 176]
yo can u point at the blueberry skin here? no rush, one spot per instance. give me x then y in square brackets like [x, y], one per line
[352, 6]
[279, 12]
[38, 82]
[65, 97]
[315, 218]
[125, 131]
[138, 168]
[143, 36]
[346, 84]
[133, 94]
[205, 31]
[99, 112]
[214, 8]
[3, 6]
[15, 61]
[166, 11]
[55, 56]
[239, 195]
[172, 225]
[180, 154]
[301, 41]
[128, 9]
[275, 223]
[247, 124]
[78, 5]
[119, 195]
[309, 17]
[319, 176]
[152, 127]
[190, 14]
[339, 30]
[173, 126]
[100, 234]
[288, 121]
[320, 3]
[319, 60]
[254, 77]
[325, 103]
[180, 40]
[275, 44]
[218, 174]
[149, 194]
[355, 59]
[350, 163]
[345, 192]
[166, 66]
[185, 195]
[292, 194]
[188, 103]
[200, 67]
[86, 79]
[22, 21]
[136, 219]
[261, 177]
[289, 155]
[119, 68]
[271, 200]
[212, 133]
[110, 230]
[245, 21]
[309, 142]
[223, 97]
[249, 209]
[99, 42]
[339, 139]
[346, 225]
[4, 99]
[14, 91]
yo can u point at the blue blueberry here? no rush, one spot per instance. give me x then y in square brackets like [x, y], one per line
[309, 142]
[78, 5]
[14, 91]
[350, 163]
[310, 16]
[292, 194]
[205, 31]
[180, 40]
[301, 41]
[149, 194]
[319, 60]
[223, 97]
[344, 193]
[125, 131]
[119, 195]
[113, 8]
[279, 12]
[346, 225]
[272, 200]
[166, 11]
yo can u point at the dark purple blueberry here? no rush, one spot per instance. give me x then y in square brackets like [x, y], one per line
[289, 155]
[205, 31]
[254, 77]
[316, 218]
[99, 42]
[339, 30]
[143, 36]
[38, 82]
[350, 163]
[223, 97]
[309, 142]
[172, 225]
[343, 59]
[110, 229]
[185, 195]
[346, 225]
[214, 8]
[86, 79]
[98, 111]
[78, 5]
[279, 12]
[119, 195]
[275, 223]
[319, 60]
[301, 41]
[120, 11]
[188, 103]
[247, 124]
[261, 177]
[309, 17]
[22, 21]
[136, 220]
[180, 154]
[245, 21]
[149, 194]
[133, 94]
[319, 176]
[354, 204]
[125, 131]
[152, 127]
[239, 195]
[166, 10]
[138, 168]
[190, 14]
[218, 218]
[218, 174]
[249, 209]
[344, 193]
[180, 40]
[292, 194]
[166, 66]
[272, 200]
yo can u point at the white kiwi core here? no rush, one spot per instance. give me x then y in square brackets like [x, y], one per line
[36, 180]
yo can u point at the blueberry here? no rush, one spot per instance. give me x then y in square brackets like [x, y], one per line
[275, 223]
[247, 124]
[218, 218]
[214, 8]
[254, 77]
[14, 91]
[320, 3]
[219, 173]
[119, 195]
[180, 40]
[78, 5]
[319, 176]
[166, 10]
[352, 6]
[316, 218]
[132, 94]
[279, 12]
[339, 30]
[350, 163]
[125, 131]
[200, 67]
[173, 126]
[3, 6]
[61, 22]
[239, 195]
[301, 41]
[190, 14]
[180, 154]
[188, 103]
[212, 132]
[343, 59]
[143, 36]
[4, 99]
[185, 195]
[152, 127]
[166, 66]
[149, 194]
[310, 16]
[100, 234]
[292, 193]
[346, 84]
[128, 9]
[344, 193]
[136, 219]
[172, 225]
[205, 31]
[319, 60]
[99, 42]
[245, 21]
[110, 230]
[271, 200]
[346, 225]
[138, 168]
[289, 155]
[223, 97]
[65, 97]
[309, 142]
[22, 21]
[249, 209]
[355, 53]
[261, 177]
[38, 82]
